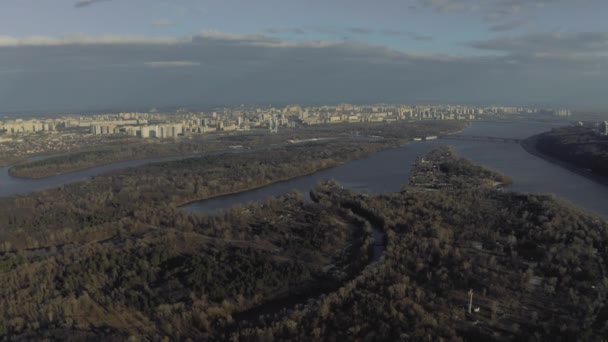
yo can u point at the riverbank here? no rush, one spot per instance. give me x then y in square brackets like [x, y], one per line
[151, 159]
[86, 160]
[529, 145]
[12, 173]
[13, 161]
[260, 186]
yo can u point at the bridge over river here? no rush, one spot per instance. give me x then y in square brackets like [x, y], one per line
[481, 138]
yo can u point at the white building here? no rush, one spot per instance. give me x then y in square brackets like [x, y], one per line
[145, 131]
[96, 129]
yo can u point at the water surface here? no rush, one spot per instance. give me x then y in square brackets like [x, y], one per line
[389, 170]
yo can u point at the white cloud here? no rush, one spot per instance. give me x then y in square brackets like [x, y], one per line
[260, 40]
[209, 35]
[81, 39]
[172, 64]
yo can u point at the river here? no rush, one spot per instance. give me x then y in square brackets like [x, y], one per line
[388, 170]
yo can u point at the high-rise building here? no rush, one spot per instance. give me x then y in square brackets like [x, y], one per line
[604, 128]
[176, 130]
[165, 132]
[273, 125]
[95, 129]
[145, 132]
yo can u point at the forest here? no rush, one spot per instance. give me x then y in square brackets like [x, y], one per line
[115, 257]
[576, 145]
[198, 145]
[92, 207]
[535, 266]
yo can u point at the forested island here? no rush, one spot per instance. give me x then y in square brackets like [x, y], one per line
[442, 168]
[103, 155]
[577, 147]
[115, 257]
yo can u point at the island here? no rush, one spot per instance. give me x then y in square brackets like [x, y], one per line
[104, 154]
[442, 168]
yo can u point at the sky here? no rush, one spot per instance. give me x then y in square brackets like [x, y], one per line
[92, 54]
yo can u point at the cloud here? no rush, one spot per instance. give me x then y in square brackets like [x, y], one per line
[549, 44]
[420, 37]
[508, 26]
[501, 15]
[412, 35]
[255, 40]
[324, 30]
[391, 32]
[163, 23]
[172, 64]
[86, 3]
[9, 71]
[491, 6]
[207, 35]
[81, 39]
[360, 30]
[215, 67]
[295, 30]
[449, 5]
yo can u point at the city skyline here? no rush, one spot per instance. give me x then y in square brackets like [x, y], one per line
[86, 55]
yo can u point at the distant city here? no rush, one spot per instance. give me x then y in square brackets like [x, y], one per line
[68, 133]
[170, 125]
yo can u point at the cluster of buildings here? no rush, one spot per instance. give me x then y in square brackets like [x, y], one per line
[27, 126]
[562, 112]
[603, 128]
[104, 129]
[158, 131]
[241, 118]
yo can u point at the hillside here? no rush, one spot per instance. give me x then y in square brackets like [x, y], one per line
[579, 147]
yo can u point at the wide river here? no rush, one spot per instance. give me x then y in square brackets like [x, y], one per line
[388, 170]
